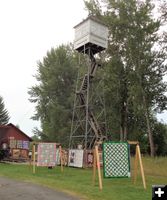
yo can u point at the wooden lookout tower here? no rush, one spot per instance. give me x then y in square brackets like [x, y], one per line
[89, 121]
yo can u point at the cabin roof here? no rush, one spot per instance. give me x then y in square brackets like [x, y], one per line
[5, 128]
[92, 18]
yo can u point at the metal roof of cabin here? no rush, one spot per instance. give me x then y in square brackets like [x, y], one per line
[92, 18]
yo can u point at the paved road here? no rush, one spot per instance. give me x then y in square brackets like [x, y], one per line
[17, 190]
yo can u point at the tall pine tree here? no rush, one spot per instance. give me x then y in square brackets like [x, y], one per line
[4, 115]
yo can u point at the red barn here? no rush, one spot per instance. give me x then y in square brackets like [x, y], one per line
[14, 142]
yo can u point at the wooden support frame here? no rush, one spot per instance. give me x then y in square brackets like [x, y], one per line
[96, 165]
[33, 157]
[137, 160]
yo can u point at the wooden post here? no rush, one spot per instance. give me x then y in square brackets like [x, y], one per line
[141, 166]
[61, 158]
[135, 165]
[98, 167]
[33, 158]
[30, 161]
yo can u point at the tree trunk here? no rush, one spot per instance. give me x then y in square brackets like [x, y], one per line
[121, 133]
[123, 126]
[150, 136]
[125, 121]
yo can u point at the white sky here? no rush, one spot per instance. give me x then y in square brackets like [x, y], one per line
[28, 29]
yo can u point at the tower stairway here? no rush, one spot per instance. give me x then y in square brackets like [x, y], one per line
[89, 122]
[82, 93]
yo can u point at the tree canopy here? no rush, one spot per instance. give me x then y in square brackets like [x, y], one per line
[136, 63]
[53, 95]
[4, 115]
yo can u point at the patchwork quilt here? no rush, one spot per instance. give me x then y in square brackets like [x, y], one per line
[46, 154]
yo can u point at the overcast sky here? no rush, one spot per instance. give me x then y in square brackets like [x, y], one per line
[28, 29]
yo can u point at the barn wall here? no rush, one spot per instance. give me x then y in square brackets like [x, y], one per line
[12, 132]
[16, 140]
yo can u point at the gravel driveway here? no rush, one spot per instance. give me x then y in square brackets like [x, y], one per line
[17, 190]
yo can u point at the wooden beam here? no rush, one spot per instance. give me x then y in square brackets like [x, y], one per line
[33, 158]
[98, 142]
[141, 167]
[135, 165]
[57, 144]
[133, 142]
[98, 167]
[61, 157]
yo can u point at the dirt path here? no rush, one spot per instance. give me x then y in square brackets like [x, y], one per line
[17, 190]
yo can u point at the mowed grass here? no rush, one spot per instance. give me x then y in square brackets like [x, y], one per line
[79, 181]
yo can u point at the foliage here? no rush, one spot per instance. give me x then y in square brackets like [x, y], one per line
[136, 67]
[53, 95]
[4, 115]
[160, 138]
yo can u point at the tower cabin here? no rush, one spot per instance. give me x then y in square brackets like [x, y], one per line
[92, 34]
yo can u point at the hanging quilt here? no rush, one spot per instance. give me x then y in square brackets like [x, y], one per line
[19, 144]
[24, 153]
[65, 157]
[75, 158]
[12, 143]
[57, 157]
[25, 144]
[16, 153]
[46, 154]
[88, 158]
[116, 162]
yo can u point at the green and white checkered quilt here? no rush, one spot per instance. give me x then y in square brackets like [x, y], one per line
[116, 159]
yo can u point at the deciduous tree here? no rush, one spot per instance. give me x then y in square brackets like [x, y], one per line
[53, 95]
[135, 50]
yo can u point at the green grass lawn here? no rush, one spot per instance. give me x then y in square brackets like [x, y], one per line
[79, 181]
